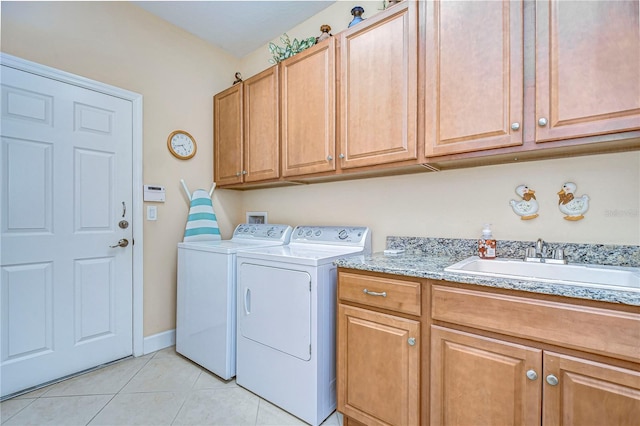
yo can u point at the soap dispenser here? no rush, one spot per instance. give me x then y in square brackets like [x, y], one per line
[486, 244]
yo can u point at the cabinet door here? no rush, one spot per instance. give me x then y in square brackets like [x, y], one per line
[476, 380]
[587, 68]
[227, 136]
[473, 75]
[261, 127]
[378, 85]
[378, 368]
[308, 111]
[589, 393]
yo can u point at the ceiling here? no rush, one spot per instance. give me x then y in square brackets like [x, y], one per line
[238, 27]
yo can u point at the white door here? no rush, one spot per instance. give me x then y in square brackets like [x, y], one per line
[66, 182]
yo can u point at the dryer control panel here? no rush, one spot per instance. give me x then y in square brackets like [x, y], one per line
[357, 236]
[262, 231]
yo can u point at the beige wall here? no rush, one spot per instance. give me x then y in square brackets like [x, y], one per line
[457, 203]
[120, 44]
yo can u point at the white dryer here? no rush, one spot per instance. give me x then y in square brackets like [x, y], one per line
[287, 318]
[206, 295]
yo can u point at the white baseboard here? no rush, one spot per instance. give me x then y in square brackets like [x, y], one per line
[159, 341]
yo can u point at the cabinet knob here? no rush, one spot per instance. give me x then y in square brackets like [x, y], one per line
[341, 156]
[238, 174]
[542, 122]
[329, 158]
[515, 126]
[532, 375]
[552, 380]
[411, 341]
[244, 172]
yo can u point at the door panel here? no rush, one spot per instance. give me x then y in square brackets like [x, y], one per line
[474, 75]
[66, 160]
[589, 393]
[379, 126]
[587, 68]
[479, 380]
[228, 136]
[274, 306]
[308, 111]
[29, 195]
[27, 299]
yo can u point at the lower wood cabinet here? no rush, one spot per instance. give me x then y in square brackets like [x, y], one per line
[481, 380]
[476, 380]
[424, 352]
[378, 367]
[588, 393]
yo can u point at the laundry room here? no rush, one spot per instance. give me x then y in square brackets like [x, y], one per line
[410, 196]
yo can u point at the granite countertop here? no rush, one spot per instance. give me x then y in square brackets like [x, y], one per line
[424, 265]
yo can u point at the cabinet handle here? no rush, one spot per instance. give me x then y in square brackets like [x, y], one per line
[329, 158]
[542, 122]
[238, 174]
[374, 293]
[244, 172]
[341, 156]
[552, 380]
[515, 126]
[532, 375]
[411, 341]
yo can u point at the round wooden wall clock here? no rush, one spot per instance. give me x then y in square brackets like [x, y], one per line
[182, 145]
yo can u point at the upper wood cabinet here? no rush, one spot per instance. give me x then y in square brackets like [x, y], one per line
[307, 98]
[246, 131]
[261, 127]
[587, 68]
[378, 88]
[227, 136]
[473, 74]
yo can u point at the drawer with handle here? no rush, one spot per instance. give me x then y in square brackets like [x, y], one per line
[395, 295]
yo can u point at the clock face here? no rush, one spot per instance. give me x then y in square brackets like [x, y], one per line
[182, 145]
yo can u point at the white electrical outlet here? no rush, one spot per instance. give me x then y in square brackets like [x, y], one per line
[152, 213]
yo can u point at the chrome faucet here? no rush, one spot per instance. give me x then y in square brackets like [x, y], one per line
[541, 249]
[538, 253]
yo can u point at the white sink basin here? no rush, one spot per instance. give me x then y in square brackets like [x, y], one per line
[611, 277]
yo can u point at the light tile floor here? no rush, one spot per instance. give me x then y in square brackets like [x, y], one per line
[162, 388]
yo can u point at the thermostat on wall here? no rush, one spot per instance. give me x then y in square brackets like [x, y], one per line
[154, 193]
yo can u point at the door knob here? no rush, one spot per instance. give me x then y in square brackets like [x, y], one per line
[122, 243]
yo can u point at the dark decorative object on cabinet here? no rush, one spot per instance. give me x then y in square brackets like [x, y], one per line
[357, 15]
[325, 34]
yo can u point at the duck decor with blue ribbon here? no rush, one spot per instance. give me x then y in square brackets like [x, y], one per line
[572, 207]
[202, 224]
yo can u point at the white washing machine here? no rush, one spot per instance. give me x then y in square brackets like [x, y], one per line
[287, 318]
[206, 295]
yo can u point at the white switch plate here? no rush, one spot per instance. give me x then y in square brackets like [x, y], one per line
[152, 213]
